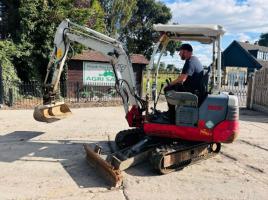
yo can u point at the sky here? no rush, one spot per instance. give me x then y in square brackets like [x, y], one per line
[243, 20]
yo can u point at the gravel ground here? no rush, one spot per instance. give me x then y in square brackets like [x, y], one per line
[47, 161]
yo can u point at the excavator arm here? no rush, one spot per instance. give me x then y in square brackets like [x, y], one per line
[67, 32]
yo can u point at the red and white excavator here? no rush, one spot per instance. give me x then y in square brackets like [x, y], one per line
[204, 119]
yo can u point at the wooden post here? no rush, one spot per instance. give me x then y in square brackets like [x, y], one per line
[252, 90]
[249, 84]
[1, 88]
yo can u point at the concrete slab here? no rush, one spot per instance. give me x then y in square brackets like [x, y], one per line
[47, 161]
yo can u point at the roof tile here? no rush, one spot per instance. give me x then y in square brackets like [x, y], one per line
[90, 55]
[249, 46]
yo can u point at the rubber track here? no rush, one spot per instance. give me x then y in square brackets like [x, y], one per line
[158, 155]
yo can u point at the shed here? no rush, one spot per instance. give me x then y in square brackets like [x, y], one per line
[93, 68]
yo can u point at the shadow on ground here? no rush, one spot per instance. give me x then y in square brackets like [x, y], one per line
[252, 116]
[21, 146]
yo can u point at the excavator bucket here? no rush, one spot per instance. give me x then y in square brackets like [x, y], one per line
[111, 173]
[51, 112]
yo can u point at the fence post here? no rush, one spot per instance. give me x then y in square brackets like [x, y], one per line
[252, 90]
[1, 88]
[249, 90]
[10, 95]
[77, 91]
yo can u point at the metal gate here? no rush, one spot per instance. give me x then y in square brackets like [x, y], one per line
[237, 84]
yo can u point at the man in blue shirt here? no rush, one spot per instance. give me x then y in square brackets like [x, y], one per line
[190, 80]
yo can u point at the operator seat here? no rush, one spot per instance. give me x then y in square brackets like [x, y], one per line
[202, 93]
[194, 99]
[186, 107]
[182, 98]
[187, 103]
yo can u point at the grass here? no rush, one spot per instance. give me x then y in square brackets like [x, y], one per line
[160, 79]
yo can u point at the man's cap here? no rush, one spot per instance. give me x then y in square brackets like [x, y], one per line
[185, 46]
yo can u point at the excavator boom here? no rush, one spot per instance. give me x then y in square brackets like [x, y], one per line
[52, 109]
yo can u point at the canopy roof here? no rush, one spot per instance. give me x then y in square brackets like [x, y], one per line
[204, 33]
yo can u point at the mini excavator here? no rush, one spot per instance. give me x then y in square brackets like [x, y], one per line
[204, 119]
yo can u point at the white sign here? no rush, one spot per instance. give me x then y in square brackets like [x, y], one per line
[98, 73]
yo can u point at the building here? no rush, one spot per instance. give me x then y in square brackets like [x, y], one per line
[93, 68]
[241, 58]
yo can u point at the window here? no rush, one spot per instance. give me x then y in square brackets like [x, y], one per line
[259, 55]
[262, 55]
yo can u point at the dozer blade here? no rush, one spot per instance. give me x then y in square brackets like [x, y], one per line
[113, 176]
[51, 112]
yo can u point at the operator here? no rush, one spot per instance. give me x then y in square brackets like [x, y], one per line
[190, 80]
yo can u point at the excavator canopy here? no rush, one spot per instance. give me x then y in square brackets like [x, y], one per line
[204, 33]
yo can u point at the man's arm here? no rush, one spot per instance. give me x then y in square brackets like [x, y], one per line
[188, 70]
[181, 78]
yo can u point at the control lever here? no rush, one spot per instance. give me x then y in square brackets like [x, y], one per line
[167, 81]
[154, 91]
[155, 103]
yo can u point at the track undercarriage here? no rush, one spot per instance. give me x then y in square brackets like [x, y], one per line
[165, 155]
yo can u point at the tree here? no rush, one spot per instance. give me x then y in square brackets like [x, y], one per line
[118, 14]
[162, 66]
[263, 41]
[97, 17]
[7, 53]
[9, 17]
[3, 20]
[138, 34]
[171, 68]
[38, 20]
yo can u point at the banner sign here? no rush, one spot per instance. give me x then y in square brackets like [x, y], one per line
[98, 73]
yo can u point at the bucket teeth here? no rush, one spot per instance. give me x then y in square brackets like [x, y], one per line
[51, 113]
[112, 176]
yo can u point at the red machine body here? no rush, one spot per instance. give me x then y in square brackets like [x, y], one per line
[224, 132]
[216, 120]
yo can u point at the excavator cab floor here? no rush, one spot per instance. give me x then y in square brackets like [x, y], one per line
[51, 112]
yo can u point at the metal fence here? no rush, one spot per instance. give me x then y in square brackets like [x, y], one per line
[28, 95]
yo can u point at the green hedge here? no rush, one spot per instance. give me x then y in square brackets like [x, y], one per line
[8, 52]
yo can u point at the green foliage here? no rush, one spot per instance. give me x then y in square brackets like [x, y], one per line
[162, 77]
[138, 34]
[32, 25]
[117, 14]
[7, 53]
[122, 11]
[38, 20]
[171, 47]
[263, 40]
[97, 17]
[162, 66]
